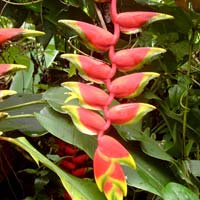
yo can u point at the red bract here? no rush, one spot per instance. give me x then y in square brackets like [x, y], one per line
[132, 59]
[85, 120]
[89, 96]
[128, 113]
[115, 186]
[91, 119]
[89, 68]
[109, 175]
[131, 22]
[94, 37]
[11, 33]
[10, 68]
[113, 150]
[131, 85]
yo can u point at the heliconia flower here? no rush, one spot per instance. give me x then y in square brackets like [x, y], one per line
[128, 112]
[107, 171]
[12, 33]
[5, 93]
[89, 96]
[133, 59]
[117, 153]
[131, 22]
[85, 120]
[93, 37]
[131, 85]
[89, 68]
[10, 68]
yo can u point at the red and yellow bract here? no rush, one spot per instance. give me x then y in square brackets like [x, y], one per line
[89, 68]
[131, 85]
[94, 37]
[131, 22]
[89, 96]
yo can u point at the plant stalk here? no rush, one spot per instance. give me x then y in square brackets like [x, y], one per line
[185, 113]
[22, 105]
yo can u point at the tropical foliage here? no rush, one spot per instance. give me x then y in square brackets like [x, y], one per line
[105, 106]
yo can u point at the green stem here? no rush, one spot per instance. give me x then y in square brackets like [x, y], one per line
[185, 114]
[22, 105]
[20, 116]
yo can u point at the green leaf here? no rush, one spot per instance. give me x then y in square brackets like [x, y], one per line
[175, 95]
[56, 96]
[22, 81]
[152, 148]
[150, 175]
[149, 145]
[21, 105]
[50, 53]
[175, 191]
[62, 127]
[77, 188]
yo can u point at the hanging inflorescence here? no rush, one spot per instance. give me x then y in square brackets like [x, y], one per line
[110, 154]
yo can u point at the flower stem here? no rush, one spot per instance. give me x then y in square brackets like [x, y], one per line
[22, 105]
[185, 114]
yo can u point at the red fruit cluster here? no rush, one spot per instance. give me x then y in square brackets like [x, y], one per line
[73, 161]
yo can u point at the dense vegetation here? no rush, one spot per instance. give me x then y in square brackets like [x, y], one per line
[164, 144]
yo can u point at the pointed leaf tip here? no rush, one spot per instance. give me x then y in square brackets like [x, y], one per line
[32, 33]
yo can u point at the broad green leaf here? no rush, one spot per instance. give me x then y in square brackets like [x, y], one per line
[56, 96]
[62, 127]
[79, 189]
[175, 191]
[50, 53]
[175, 95]
[150, 175]
[22, 81]
[17, 106]
[152, 148]
[149, 145]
